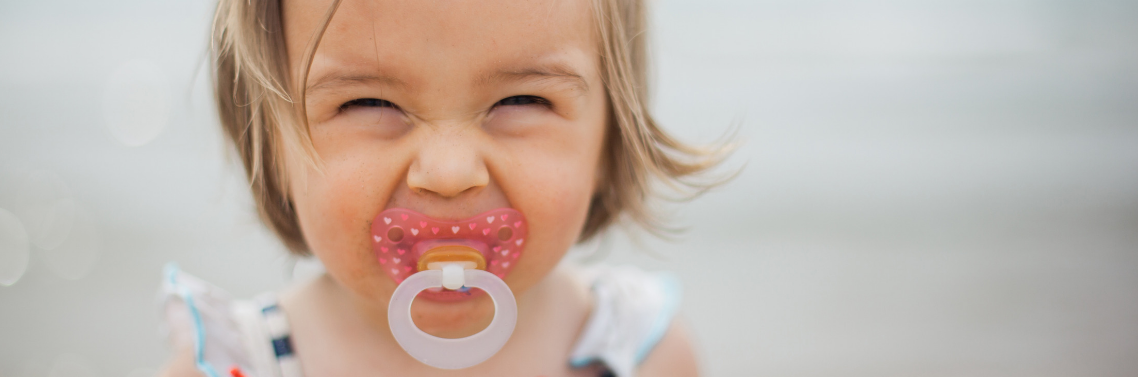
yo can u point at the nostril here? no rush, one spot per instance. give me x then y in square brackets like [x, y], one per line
[446, 191]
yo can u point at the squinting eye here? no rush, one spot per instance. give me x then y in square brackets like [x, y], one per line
[367, 102]
[522, 101]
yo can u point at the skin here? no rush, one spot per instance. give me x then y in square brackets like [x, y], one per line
[489, 104]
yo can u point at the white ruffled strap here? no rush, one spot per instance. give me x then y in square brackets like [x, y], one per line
[199, 315]
[632, 311]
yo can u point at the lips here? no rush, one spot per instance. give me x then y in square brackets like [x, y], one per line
[400, 237]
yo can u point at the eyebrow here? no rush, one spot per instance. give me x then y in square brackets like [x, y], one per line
[333, 81]
[544, 72]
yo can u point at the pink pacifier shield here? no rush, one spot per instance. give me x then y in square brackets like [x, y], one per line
[499, 234]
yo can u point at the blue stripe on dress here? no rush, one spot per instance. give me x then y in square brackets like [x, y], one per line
[282, 346]
[199, 328]
[671, 285]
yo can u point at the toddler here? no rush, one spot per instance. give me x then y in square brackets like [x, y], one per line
[440, 157]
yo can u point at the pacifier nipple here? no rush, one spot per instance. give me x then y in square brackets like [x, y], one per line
[472, 253]
[453, 277]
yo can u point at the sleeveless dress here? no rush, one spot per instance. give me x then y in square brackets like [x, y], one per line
[632, 310]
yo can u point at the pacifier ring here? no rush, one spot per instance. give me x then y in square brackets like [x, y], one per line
[446, 353]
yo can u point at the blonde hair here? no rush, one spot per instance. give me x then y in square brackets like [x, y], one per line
[264, 119]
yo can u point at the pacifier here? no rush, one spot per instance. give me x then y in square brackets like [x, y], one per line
[448, 258]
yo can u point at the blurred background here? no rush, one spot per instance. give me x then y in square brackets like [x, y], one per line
[937, 188]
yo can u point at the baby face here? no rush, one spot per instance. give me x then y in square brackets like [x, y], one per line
[449, 108]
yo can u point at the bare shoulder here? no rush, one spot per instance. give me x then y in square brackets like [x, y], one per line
[673, 356]
[181, 364]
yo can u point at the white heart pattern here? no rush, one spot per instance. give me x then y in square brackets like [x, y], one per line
[387, 220]
[396, 260]
[395, 271]
[490, 220]
[414, 231]
[454, 229]
[505, 264]
[505, 252]
[376, 238]
[519, 242]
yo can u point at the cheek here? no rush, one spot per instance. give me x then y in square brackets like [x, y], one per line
[331, 212]
[553, 185]
[335, 208]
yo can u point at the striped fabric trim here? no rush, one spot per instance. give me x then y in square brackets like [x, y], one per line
[280, 340]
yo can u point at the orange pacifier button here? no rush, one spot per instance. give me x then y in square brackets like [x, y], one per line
[466, 256]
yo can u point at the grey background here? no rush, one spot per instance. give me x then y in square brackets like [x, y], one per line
[940, 188]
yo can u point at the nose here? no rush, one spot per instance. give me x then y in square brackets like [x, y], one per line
[448, 165]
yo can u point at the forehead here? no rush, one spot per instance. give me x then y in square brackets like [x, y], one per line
[417, 40]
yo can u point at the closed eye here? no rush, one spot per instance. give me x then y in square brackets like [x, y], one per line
[367, 102]
[523, 101]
